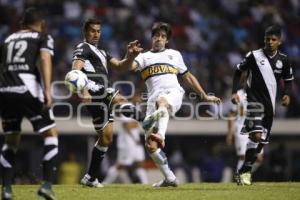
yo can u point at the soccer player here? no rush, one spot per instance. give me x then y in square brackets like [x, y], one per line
[159, 68]
[99, 95]
[130, 153]
[236, 118]
[24, 95]
[265, 66]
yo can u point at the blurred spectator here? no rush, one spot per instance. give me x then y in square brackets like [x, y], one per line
[70, 170]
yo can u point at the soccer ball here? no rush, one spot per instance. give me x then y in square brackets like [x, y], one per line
[76, 81]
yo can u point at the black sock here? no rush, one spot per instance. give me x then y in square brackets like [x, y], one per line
[97, 157]
[251, 155]
[49, 164]
[129, 110]
[7, 171]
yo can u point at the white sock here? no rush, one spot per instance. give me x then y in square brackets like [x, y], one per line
[163, 121]
[160, 160]
[239, 164]
[141, 173]
[111, 176]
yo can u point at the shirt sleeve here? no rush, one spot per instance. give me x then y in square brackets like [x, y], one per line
[245, 64]
[140, 62]
[182, 69]
[80, 52]
[47, 44]
[287, 73]
[107, 56]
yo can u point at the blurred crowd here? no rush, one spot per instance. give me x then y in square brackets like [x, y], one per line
[212, 35]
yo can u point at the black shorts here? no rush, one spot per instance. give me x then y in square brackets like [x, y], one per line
[15, 106]
[101, 108]
[258, 122]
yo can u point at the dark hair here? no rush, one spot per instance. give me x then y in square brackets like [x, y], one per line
[88, 22]
[31, 16]
[273, 30]
[157, 26]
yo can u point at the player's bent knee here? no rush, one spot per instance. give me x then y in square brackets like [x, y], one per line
[255, 137]
[52, 132]
[106, 138]
[151, 146]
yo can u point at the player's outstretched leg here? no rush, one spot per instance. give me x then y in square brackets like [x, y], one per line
[151, 120]
[160, 159]
[88, 181]
[49, 164]
[105, 139]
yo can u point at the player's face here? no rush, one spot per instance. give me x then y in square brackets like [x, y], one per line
[92, 34]
[272, 42]
[159, 40]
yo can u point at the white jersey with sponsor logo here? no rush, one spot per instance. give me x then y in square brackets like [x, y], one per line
[159, 69]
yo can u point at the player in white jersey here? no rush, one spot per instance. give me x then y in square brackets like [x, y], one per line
[159, 68]
[236, 118]
[130, 153]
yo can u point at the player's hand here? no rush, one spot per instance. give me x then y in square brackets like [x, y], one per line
[86, 96]
[235, 98]
[133, 49]
[211, 98]
[285, 101]
[229, 140]
[48, 99]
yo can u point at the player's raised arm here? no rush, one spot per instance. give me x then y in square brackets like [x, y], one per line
[191, 80]
[77, 64]
[133, 50]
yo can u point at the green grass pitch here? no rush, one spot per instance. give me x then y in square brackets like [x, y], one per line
[195, 191]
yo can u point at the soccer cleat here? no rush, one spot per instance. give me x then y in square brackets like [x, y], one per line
[156, 137]
[244, 179]
[151, 120]
[86, 182]
[237, 178]
[165, 183]
[6, 193]
[46, 193]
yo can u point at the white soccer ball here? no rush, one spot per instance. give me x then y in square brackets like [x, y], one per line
[76, 81]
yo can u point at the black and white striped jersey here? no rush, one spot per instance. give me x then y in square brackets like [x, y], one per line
[19, 55]
[264, 73]
[95, 62]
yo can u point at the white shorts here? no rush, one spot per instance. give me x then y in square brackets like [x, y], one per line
[173, 96]
[130, 155]
[240, 143]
